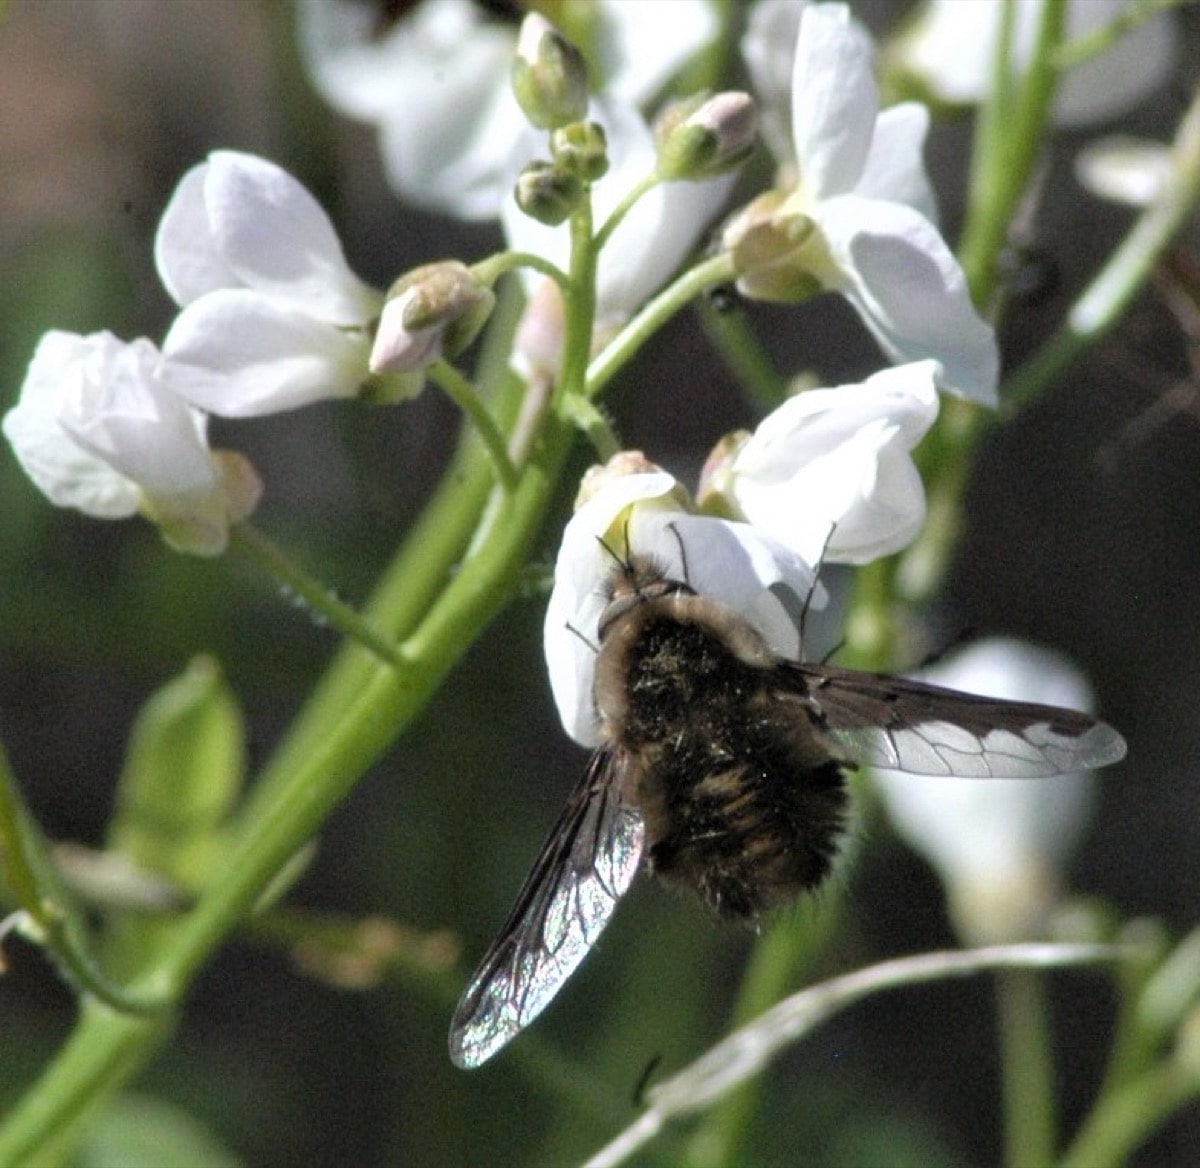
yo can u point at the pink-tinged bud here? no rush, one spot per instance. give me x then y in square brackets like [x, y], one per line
[431, 312]
[706, 135]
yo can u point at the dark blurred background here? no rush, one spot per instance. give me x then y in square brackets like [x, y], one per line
[1083, 535]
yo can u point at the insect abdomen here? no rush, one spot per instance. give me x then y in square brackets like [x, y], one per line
[741, 801]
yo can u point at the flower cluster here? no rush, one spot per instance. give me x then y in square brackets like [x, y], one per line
[271, 317]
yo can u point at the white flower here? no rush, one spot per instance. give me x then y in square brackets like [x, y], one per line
[1133, 171]
[644, 250]
[999, 845]
[950, 47]
[830, 471]
[437, 83]
[273, 318]
[97, 429]
[642, 514]
[856, 216]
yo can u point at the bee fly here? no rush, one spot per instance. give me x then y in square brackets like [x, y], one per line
[722, 765]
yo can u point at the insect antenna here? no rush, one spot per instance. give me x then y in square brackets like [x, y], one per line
[682, 554]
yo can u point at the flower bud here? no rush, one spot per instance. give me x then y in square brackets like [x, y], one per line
[433, 311]
[548, 192]
[581, 148]
[549, 76]
[706, 135]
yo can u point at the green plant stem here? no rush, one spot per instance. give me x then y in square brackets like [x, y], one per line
[332, 744]
[1010, 133]
[105, 1050]
[34, 879]
[264, 553]
[1106, 298]
[732, 336]
[1126, 1118]
[1027, 1068]
[613, 357]
[462, 393]
[623, 208]
[780, 955]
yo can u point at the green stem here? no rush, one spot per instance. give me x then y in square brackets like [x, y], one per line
[780, 955]
[462, 393]
[1127, 1118]
[290, 805]
[1027, 1068]
[1010, 133]
[490, 270]
[34, 880]
[105, 1050]
[622, 209]
[609, 362]
[1105, 299]
[1097, 42]
[266, 554]
[586, 417]
[732, 336]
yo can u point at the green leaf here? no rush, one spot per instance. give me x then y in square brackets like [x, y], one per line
[139, 1131]
[183, 773]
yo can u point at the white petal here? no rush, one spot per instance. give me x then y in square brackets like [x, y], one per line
[185, 249]
[835, 100]
[833, 465]
[1139, 63]
[769, 49]
[122, 413]
[730, 562]
[996, 843]
[910, 291]
[641, 46]
[66, 473]
[276, 237]
[895, 166]
[951, 46]
[238, 354]
[1134, 171]
[437, 87]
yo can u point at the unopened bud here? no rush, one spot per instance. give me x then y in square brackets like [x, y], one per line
[548, 192]
[431, 312]
[581, 148]
[549, 75]
[703, 136]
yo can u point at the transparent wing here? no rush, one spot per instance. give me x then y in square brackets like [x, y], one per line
[908, 725]
[586, 864]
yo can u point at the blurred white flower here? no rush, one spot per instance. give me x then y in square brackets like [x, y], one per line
[642, 253]
[1133, 171]
[97, 429]
[830, 471]
[998, 845]
[272, 316]
[645, 514]
[437, 83]
[855, 211]
[950, 49]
